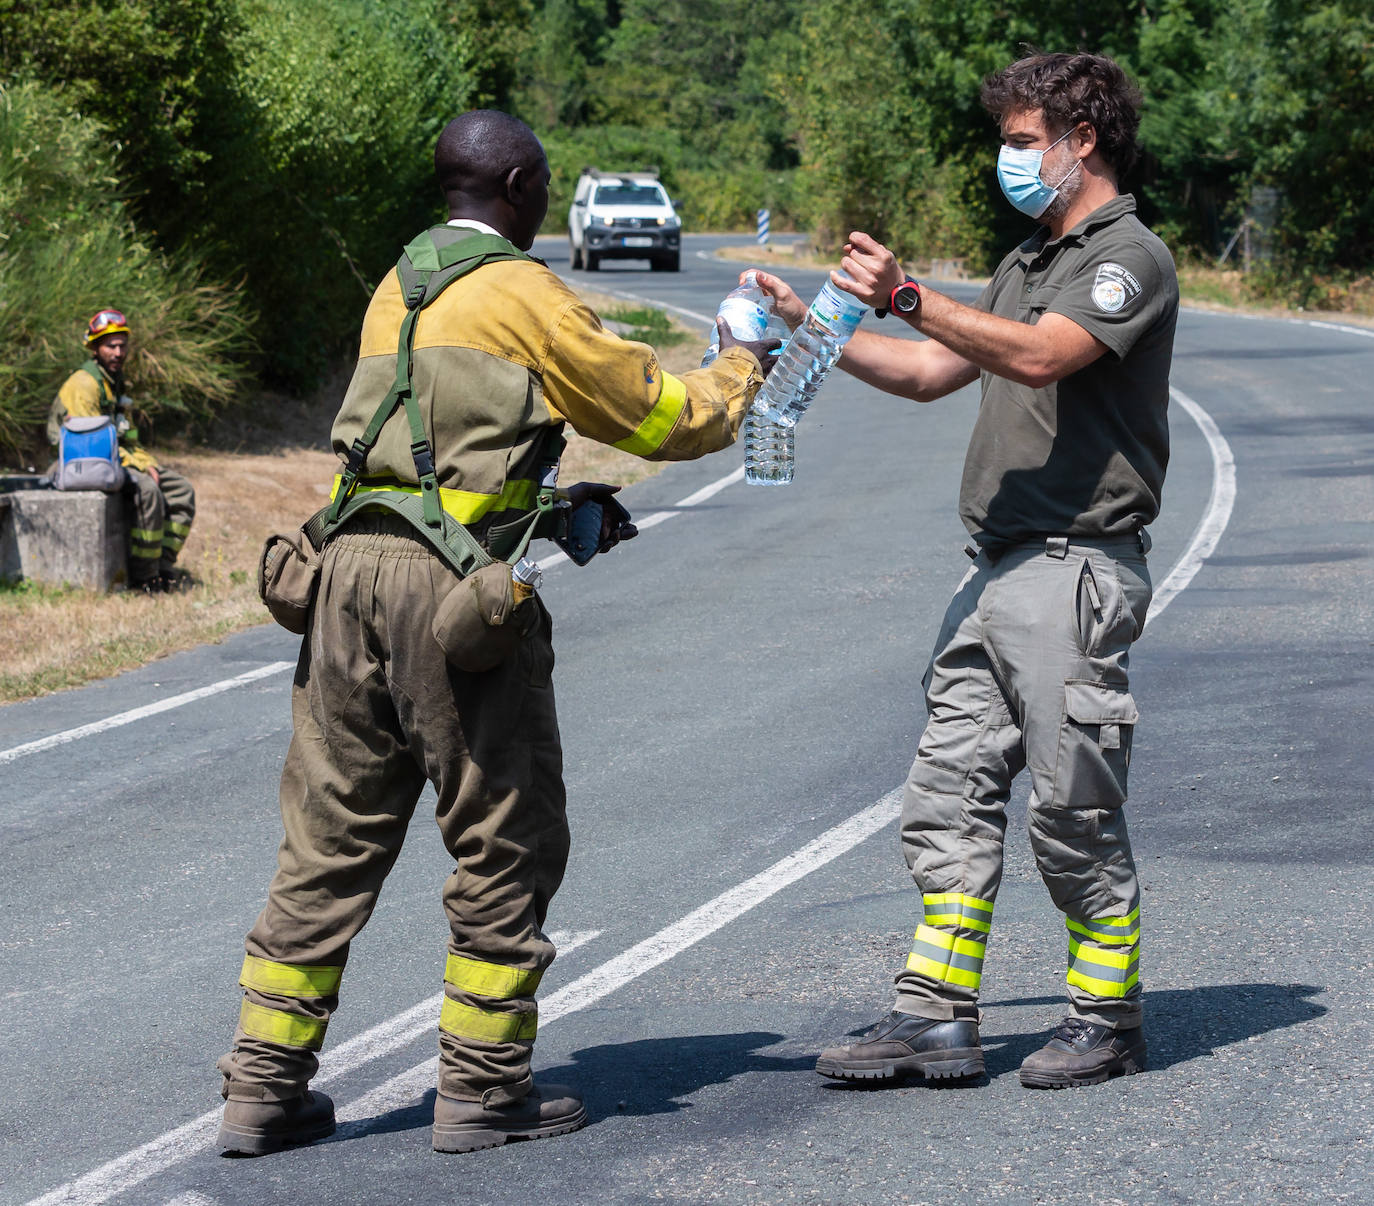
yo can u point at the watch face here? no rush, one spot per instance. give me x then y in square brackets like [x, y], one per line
[906, 299]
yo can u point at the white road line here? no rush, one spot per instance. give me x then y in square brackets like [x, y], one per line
[1214, 519]
[1363, 332]
[152, 709]
[1320, 324]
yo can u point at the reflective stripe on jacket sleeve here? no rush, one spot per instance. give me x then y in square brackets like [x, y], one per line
[613, 390]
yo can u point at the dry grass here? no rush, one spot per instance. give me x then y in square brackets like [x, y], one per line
[269, 470]
[50, 639]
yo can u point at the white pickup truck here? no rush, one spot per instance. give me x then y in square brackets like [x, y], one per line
[623, 216]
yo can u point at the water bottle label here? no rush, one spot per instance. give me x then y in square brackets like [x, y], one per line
[747, 319]
[837, 311]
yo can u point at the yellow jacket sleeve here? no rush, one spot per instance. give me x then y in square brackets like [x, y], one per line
[613, 390]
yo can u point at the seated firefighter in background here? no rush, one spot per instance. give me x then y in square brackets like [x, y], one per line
[163, 501]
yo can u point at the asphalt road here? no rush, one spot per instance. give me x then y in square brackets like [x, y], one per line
[739, 692]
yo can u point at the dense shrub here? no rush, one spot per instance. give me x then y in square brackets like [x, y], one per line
[68, 247]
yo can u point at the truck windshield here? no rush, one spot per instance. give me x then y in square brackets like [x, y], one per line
[629, 193]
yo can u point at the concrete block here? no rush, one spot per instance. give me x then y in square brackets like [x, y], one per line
[56, 537]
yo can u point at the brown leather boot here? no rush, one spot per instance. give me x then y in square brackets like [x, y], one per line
[254, 1128]
[466, 1126]
[1084, 1053]
[903, 1044]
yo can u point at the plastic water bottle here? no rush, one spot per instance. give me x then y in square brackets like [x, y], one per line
[769, 447]
[810, 354]
[745, 309]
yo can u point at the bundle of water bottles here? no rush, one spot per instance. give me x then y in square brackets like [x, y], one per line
[770, 426]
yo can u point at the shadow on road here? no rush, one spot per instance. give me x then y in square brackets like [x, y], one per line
[654, 1076]
[646, 1076]
[650, 1076]
[1181, 1024]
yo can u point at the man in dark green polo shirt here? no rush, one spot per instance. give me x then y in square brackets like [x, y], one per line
[1072, 340]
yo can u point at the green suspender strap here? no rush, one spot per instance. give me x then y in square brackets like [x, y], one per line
[107, 403]
[430, 263]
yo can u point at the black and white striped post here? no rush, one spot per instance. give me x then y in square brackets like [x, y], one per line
[764, 216]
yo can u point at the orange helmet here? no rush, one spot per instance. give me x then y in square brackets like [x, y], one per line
[107, 322]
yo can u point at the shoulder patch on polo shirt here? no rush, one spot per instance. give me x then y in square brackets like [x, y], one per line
[1114, 287]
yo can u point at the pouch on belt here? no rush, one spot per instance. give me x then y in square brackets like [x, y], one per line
[288, 574]
[483, 619]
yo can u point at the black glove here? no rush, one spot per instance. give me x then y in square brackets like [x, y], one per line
[595, 516]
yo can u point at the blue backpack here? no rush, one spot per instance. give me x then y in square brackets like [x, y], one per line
[88, 455]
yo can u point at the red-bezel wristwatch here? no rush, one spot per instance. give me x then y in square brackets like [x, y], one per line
[905, 299]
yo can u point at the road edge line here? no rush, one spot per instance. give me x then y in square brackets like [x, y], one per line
[1214, 519]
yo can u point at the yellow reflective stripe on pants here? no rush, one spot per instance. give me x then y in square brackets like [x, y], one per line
[145, 535]
[278, 1026]
[467, 1021]
[1112, 931]
[494, 980]
[648, 437]
[956, 909]
[1104, 973]
[466, 506]
[947, 958]
[290, 979]
[177, 529]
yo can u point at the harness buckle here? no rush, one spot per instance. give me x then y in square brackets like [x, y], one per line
[357, 458]
[424, 459]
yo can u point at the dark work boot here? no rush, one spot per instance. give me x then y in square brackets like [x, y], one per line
[905, 1045]
[254, 1128]
[467, 1126]
[1084, 1053]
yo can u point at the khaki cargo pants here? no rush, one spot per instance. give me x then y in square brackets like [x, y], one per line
[161, 521]
[1029, 670]
[377, 711]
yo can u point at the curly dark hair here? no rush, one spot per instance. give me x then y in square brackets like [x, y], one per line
[1072, 88]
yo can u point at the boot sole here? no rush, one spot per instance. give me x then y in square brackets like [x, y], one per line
[960, 1064]
[474, 1136]
[1127, 1066]
[241, 1141]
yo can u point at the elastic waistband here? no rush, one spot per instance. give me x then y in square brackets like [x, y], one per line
[380, 531]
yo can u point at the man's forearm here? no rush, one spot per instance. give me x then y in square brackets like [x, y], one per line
[921, 371]
[1030, 354]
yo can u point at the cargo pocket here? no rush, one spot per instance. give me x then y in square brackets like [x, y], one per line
[1094, 746]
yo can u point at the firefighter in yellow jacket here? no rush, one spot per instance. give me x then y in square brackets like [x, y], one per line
[164, 504]
[503, 357]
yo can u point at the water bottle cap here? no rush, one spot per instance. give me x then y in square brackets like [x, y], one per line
[528, 572]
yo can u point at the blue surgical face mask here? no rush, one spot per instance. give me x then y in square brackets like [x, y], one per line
[1018, 172]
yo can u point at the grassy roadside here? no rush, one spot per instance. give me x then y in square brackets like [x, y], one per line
[264, 474]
